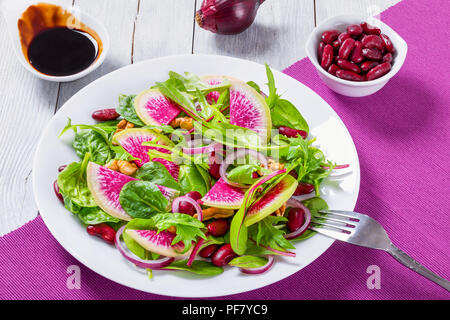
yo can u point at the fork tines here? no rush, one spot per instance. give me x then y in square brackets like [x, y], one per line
[335, 221]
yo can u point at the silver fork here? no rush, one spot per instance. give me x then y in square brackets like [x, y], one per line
[362, 230]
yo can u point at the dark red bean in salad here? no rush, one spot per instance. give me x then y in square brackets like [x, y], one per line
[387, 43]
[354, 30]
[387, 57]
[356, 55]
[346, 48]
[296, 219]
[102, 230]
[218, 227]
[349, 75]
[329, 36]
[223, 255]
[336, 45]
[294, 174]
[320, 50]
[333, 68]
[186, 207]
[62, 167]
[292, 133]
[378, 71]
[208, 251]
[303, 188]
[56, 189]
[327, 56]
[105, 115]
[367, 65]
[369, 29]
[372, 42]
[348, 65]
[372, 54]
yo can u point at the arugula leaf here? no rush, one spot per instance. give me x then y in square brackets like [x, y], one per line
[248, 262]
[127, 111]
[198, 266]
[254, 85]
[273, 96]
[72, 183]
[264, 233]
[157, 173]
[191, 179]
[188, 229]
[142, 199]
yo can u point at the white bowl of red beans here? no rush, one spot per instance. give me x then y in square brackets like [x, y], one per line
[355, 55]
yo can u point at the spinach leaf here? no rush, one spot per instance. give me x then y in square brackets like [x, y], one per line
[157, 173]
[248, 262]
[284, 113]
[95, 215]
[190, 179]
[92, 142]
[127, 111]
[142, 199]
[132, 245]
[244, 173]
[198, 266]
[72, 183]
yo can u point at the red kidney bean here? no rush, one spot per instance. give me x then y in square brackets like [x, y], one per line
[219, 227]
[372, 54]
[336, 44]
[349, 75]
[356, 55]
[303, 188]
[387, 57]
[223, 255]
[214, 167]
[387, 43]
[372, 42]
[367, 65]
[56, 189]
[329, 36]
[208, 251]
[320, 50]
[327, 56]
[186, 207]
[354, 30]
[378, 71]
[296, 218]
[368, 29]
[105, 115]
[292, 133]
[102, 230]
[61, 168]
[333, 68]
[347, 65]
[346, 48]
[294, 174]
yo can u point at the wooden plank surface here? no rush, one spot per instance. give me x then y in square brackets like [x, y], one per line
[139, 30]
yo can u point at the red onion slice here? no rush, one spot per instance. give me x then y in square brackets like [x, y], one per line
[194, 251]
[238, 155]
[206, 149]
[340, 166]
[146, 264]
[281, 253]
[261, 269]
[297, 204]
[176, 205]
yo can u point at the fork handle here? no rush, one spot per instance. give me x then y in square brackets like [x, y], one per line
[412, 264]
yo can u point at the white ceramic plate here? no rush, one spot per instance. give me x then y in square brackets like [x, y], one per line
[332, 136]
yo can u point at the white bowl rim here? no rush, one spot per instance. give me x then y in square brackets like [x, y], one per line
[400, 59]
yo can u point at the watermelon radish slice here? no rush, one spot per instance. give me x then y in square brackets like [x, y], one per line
[271, 201]
[153, 108]
[222, 195]
[131, 140]
[158, 242]
[105, 186]
[248, 108]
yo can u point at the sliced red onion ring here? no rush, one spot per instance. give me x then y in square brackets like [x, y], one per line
[297, 204]
[206, 149]
[281, 253]
[194, 251]
[259, 270]
[147, 264]
[176, 205]
[238, 155]
[340, 166]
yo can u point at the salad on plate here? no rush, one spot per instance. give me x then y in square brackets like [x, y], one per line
[196, 173]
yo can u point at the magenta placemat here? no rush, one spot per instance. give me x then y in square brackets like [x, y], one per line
[402, 137]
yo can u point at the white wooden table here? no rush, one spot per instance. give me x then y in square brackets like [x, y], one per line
[139, 30]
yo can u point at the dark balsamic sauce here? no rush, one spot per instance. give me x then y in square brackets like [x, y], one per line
[61, 51]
